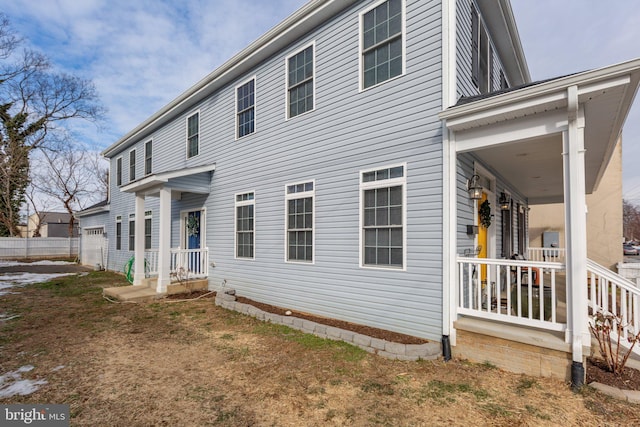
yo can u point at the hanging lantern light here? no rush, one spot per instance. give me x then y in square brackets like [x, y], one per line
[474, 189]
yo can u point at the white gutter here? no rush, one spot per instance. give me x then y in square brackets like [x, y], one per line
[288, 31]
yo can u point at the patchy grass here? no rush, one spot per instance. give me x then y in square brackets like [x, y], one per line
[192, 363]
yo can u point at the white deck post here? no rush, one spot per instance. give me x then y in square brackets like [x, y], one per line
[139, 241]
[164, 240]
[575, 232]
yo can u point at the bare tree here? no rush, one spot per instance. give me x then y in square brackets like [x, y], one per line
[71, 176]
[40, 206]
[35, 105]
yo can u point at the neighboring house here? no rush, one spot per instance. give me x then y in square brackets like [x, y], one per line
[48, 224]
[604, 217]
[328, 168]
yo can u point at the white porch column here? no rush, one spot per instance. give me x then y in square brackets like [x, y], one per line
[575, 231]
[164, 240]
[139, 241]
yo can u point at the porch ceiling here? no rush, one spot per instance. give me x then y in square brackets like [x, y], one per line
[519, 133]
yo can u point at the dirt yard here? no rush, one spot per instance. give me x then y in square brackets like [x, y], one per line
[194, 364]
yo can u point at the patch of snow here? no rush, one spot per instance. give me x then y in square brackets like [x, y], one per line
[7, 263]
[57, 368]
[12, 383]
[11, 280]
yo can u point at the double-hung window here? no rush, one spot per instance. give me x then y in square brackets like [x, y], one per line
[118, 232]
[245, 225]
[300, 73]
[193, 135]
[481, 54]
[382, 198]
[119, 171]
[132, 232]
[299, 208]
[148, 217]
[148, 154]
[382, 42]
[245, 108]
[132, 165]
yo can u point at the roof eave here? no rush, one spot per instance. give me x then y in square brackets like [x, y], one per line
[542, 89]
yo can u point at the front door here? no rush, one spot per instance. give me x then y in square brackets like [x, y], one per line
[483, 241]
[193, 240]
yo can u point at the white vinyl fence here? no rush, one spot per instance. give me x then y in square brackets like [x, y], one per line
[38, 247]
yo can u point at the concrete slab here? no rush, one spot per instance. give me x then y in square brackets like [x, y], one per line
[132, 293]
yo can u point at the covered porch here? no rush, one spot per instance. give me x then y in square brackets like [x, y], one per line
[547, 142]
[181, 255]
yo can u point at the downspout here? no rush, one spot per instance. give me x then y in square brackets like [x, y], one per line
[449, 91]
[576, 235]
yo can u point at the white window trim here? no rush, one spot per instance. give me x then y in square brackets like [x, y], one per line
[119, 184]
[235, 223]
[381, 184]
[132, 217]
[203, 227]
[145, 158]
[115, 232]
[255, 108]
[135, 165]
[186, 134]
[361, 87]
[148, 215]
[286, 81]
[300, 195]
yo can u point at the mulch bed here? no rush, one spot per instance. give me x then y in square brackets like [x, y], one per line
[201, 294]
[598, 371]
[353, 327]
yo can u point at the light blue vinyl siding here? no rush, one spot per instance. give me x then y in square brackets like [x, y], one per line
[465, 87]
[348, 131]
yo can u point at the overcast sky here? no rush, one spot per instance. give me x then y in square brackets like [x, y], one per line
[143, 53]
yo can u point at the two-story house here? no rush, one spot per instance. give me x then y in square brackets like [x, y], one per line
[373, 161]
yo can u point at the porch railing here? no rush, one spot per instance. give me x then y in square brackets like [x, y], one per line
[526, 293]
[613, 294]
[194, 263]
[546, 254]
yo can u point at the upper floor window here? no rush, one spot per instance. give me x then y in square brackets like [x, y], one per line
[481, 54]
[300, 82]
[193, 135]
[382, 43]
[148, 153]
[299, 210]
[132, 165]
[119, 171]
[245, 225]
[245, 108]
[382, 217]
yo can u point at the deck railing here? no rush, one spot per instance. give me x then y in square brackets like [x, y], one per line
[613, 294]
[526, 293]
[194, 263]
[546, 254]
